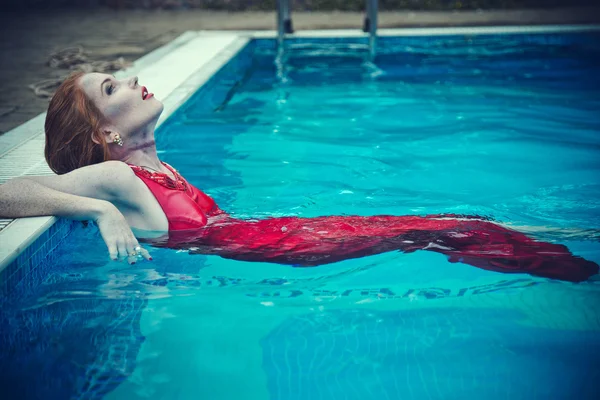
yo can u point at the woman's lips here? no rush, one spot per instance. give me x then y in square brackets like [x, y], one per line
[145, 94]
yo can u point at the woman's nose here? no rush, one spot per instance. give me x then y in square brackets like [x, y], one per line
[133, 81]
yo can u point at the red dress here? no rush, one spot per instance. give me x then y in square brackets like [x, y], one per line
[198, 224]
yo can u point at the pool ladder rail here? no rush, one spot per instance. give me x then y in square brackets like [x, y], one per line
[285, 26]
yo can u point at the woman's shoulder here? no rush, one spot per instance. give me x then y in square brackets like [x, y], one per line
[112, 174]
[113, 166]
[117, 177]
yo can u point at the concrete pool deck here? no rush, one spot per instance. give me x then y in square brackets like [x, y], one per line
[174, 72]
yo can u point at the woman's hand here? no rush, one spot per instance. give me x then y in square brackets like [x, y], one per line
[118, 236]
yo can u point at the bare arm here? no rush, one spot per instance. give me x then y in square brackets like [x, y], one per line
[109, 181]
[22, 197]
[84, 194]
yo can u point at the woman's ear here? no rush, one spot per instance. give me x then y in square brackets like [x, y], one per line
[110, 136]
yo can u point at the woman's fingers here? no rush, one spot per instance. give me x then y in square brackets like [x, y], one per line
[128, 249]
[120, 240]
[132, 251]
[113, 252]
[131, 259]
[136, 251]
[145, 254]
[122, 250]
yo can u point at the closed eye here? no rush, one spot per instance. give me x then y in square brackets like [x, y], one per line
[107, 89]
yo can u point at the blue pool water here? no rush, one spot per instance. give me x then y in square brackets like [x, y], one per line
[503, 126]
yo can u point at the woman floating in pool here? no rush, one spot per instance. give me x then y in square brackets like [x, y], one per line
[100, 142]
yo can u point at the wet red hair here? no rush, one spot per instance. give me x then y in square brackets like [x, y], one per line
[74, 137]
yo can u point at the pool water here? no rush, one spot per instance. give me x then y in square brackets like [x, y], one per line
[502, 126]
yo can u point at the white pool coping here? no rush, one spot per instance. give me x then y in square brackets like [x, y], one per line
[174, 72]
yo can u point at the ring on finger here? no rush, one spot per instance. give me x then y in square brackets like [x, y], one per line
[133, 254]
[138, 249]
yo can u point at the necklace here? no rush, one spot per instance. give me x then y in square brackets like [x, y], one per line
[162, 178]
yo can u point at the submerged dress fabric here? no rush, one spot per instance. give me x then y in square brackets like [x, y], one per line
[198, 224]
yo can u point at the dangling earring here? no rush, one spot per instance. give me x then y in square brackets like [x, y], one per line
[117, 139]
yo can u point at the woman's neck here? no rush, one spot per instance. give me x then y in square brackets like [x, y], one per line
[143, 155]
[145, 159]
[140, 150]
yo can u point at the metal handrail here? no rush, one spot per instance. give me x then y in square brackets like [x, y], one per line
[284, 20]
[284, 23]
[370, 26]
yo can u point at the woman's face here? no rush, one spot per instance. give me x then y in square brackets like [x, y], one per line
[128, 107]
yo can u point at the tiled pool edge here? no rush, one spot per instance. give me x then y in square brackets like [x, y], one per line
[26, 242]
[35, 251]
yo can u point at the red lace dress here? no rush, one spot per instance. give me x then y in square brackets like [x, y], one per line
[197, 223]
